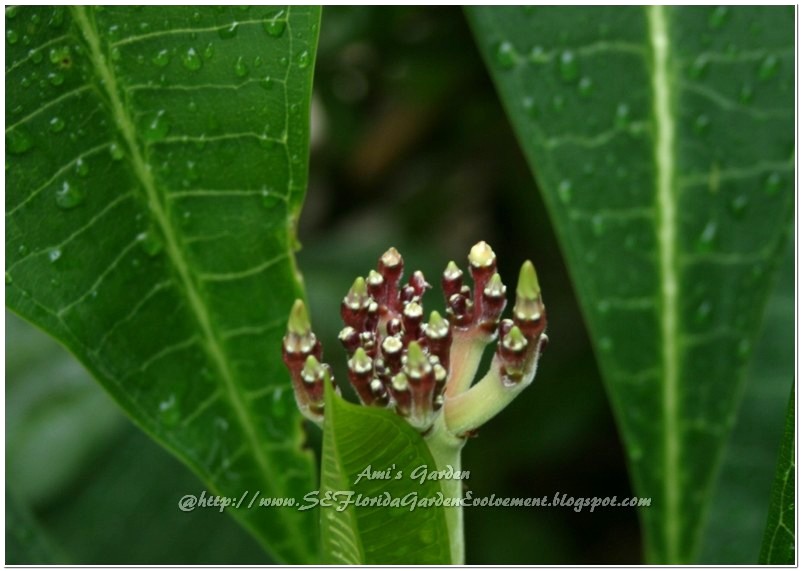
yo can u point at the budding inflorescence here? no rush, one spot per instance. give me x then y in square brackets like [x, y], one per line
[399, 361]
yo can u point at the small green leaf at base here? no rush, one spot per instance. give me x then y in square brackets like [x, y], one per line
[358, 440]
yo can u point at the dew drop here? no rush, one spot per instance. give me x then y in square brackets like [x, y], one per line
[81, 168]
[56, 78]
[505, 55]
[565, 191]
[746, 94]
[303, 59]
[773, 183]
[769, 67]
[229, 31]
[116, 151]
[568, 66]
[208, 51]
[9, 279]
[57, 19]
[156, 128]
[36, 56]
[708, 236]
[69, 196]
[266, 83]
[57, 124]
[60, 55]
[240, 67]
[718, 17]
[703, 312]
[162, 58]
[11, 12]
[18, 141]
[738, 205]
[116, 54]
[169, 411]
[12, 36]
[191, 60]
[699, 67]
[622, 116]
[22, 250]
[151, 242]
[585, 86]
[53, 255]
[275, 26]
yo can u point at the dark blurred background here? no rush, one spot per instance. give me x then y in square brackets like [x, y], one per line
[411, 148]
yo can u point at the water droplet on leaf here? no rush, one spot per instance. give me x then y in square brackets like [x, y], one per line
[53, 255]
[229, 31]
[191, 60]
[773, 183]
[240, 67]
[69, 196]
[156, 128]
[769, 67]
[565, 191]
[162, 58]
[18, 140]
[57, 125]
[275, 26]
[568, 66]
[303, 59]
[505, 55]
[151, 241]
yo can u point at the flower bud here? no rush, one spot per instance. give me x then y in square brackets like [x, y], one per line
[493, 303]
[412, 318]
[299, 342]
[390, 267]
[355, 305]
[349, 339]
[360, 373]
[392, 351]
[310, 388]
[529, 311]
[451, 280]
[439, 338]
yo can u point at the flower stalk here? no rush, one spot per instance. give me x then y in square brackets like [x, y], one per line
[425, 371]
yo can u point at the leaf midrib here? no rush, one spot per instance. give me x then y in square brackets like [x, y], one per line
[211, 342]
[665, 164]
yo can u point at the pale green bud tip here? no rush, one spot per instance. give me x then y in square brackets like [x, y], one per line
[528, 286]
[452, 270]
[374, 278]
[359, 287]
[299, 319]
[361, 361]
[436, 320]
[312, 369]
[481, 255]
[516, 336]
[415, 355]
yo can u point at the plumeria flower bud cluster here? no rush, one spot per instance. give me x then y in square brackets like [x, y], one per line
[423, 369]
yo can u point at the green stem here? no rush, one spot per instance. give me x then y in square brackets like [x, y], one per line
[447, 450]
[466, 352]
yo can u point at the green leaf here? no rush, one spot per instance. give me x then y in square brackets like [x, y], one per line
[156, 161]
[739, 507]
[662, 141]
[778, 547]
[357, 438]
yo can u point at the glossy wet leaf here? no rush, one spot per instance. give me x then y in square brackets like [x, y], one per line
[739, 507]
[662, 141]
[152, 192]
[359, 437]
[778, 547]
